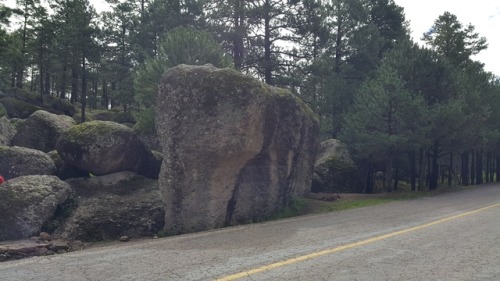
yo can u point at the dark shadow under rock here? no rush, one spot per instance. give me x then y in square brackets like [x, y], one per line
[111, 206]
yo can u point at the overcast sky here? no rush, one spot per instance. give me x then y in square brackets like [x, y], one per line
[483, 14]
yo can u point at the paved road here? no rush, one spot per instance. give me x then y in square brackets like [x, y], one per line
[449, 237]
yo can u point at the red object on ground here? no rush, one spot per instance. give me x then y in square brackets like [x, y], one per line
[1, 179]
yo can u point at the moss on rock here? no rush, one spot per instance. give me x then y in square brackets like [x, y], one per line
[103, 147]
[20, 161]
[27, 203]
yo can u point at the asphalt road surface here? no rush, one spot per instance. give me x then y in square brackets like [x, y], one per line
[448, 237]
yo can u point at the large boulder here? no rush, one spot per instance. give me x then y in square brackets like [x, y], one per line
[58, 105]
[335, 171]
[20, 161]
[234, 148]
[7, 131]
[41, 130]
[103, 147]
[17, 108]
[27, 202]
[112, 206]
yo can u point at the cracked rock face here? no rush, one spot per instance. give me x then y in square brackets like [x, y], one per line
[234, 149]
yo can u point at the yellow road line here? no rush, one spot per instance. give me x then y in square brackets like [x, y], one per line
[348, 246]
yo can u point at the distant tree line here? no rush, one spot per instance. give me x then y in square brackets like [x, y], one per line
[425, 115]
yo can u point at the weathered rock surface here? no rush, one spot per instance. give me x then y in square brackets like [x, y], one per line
[111, 206]
[234, 148]
[103, 147]
[41, 130]
[27, 202]
[20, 161]
[335, 171]
[7, 131]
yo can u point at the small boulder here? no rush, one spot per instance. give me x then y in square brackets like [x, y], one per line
[335, 171]
[115, 205]
[103, 147]
[27, 202]
[41, 130]
[20, 161]
[124, 239]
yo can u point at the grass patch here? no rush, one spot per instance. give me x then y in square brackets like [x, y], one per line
[352, 204]
[297, 207]
[305, 206]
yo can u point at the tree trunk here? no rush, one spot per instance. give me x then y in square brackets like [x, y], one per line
[13, 78]
[95, 93]
[450, 170]
[62, 88]
[84, 88]
[465, 169]
[105, 99]
[421, 170]
[434, 175]
[498, 168]
[20, 68]
[40, 66]
[369, 180]
[492, 167]
[112, 101]
[479, 167]
[473, 168]
[388, 175]
[74, 84]
[268, 66]
[396, 179]
[46, 91]
[413, 171]
[239, 30]
[338, 43]
[32, 83]
[488, 163]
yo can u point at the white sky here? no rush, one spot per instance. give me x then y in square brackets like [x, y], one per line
[483, 14]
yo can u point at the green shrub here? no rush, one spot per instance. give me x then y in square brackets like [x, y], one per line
[145, 121]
